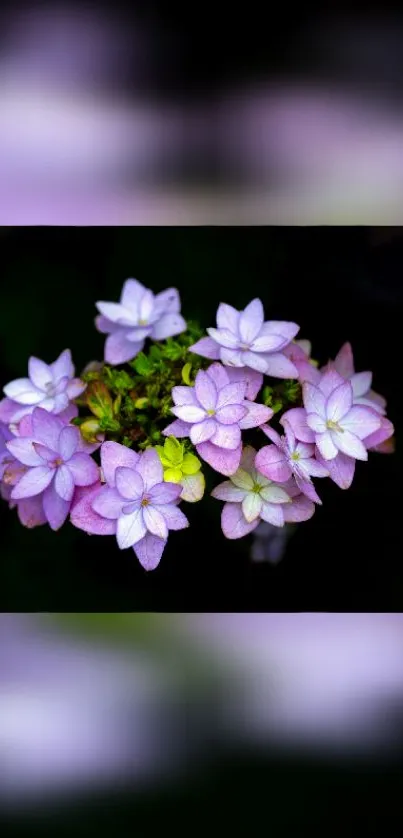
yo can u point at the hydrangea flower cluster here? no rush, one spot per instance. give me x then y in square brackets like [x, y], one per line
[120, 448]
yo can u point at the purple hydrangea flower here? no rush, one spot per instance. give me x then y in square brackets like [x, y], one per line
[138, 316]
[213, 413]
[243, 339]
[140, 507]
[250, 498]
[55, 465]
[288, 457]
[49, 386]
[299, 351]
[360, 381]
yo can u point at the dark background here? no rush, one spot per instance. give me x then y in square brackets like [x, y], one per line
[338, 284]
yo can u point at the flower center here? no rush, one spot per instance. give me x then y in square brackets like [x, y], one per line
[295, 455]
[142, 322]
[57, 462]
[257, 488]
[145, 501]
[245, 347]
[211, 413]
[333, 426]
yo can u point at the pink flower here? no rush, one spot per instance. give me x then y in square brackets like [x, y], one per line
[287, 458]
[360, 381]
[213, 413]
[243, 339]
[298, 351]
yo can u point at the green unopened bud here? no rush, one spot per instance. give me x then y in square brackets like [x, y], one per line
[186, 374]
[90, 430]
[140, 404]
[99, 399]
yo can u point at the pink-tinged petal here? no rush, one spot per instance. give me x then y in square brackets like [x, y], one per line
[384, 433]
[231, 414]
[339, 402]
[129, 483]
[138, 334]
[379, 400]
[227, 318]
[84, 517]
[150, 468]
[83, 469]
[23, 392]
[361, 383]
[46, 428]
[114, 455]
[105, 326]
[232, 357]
[314, 400]
[254, 361]
[268, 343]
[279, 366]
[251, 506]
[207, 348]
[361, 421]
[155, 522]
[366, 401]
[206, 391]
[193, 486]
[55, 508]
[57, 405]
[31, 513]
[305, 345]
[301, 509]
[349, 444]
[329, 381]
[341, 469]
[273, 513]
[252, 379]
[296, 416]
[251, 321]
[307, 372]
[316, 423]
[70, 413]
[167, 302]
[118, 349]
[344, 361]
[224, 338]
[174, 517]
[184, 395]
[64, 483]
[168, 326]
[164, 493]
[39, 373]
[75, 387]
[189, 413]
[149, 551]
[304, 449]
[291, 488]
[25, 427]
[326, 445]
[274, 494]
[257, 415]
[272, 434]
[226, 436]
[12, 473]
[131, 295]
[178, 429]
[314, 468]
[228, 492]
[231, 394]
[24, 451]
[202, 431]
[286, 329]
[219, 375]
[68, 441]
[108, 503]
[33, 482]
[225, 461]
[233, 521]
[308, 489]
[271, 462]
[117, 313]
[63, 366]
[130, 529]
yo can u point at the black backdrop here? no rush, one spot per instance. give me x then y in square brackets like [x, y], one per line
[338, 284]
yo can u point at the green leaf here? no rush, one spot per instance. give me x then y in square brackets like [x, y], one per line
[142, 364]
[173, 451]
[191, 464]
[173, 475]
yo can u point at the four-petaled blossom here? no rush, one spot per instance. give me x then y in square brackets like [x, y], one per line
[250, 498]
[213, 413]
[49, 386]
[243, 339]
[142, 507]
[287, 458]
[55, 465]
[139, 315]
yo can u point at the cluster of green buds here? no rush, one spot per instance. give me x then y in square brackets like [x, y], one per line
[182, 466]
